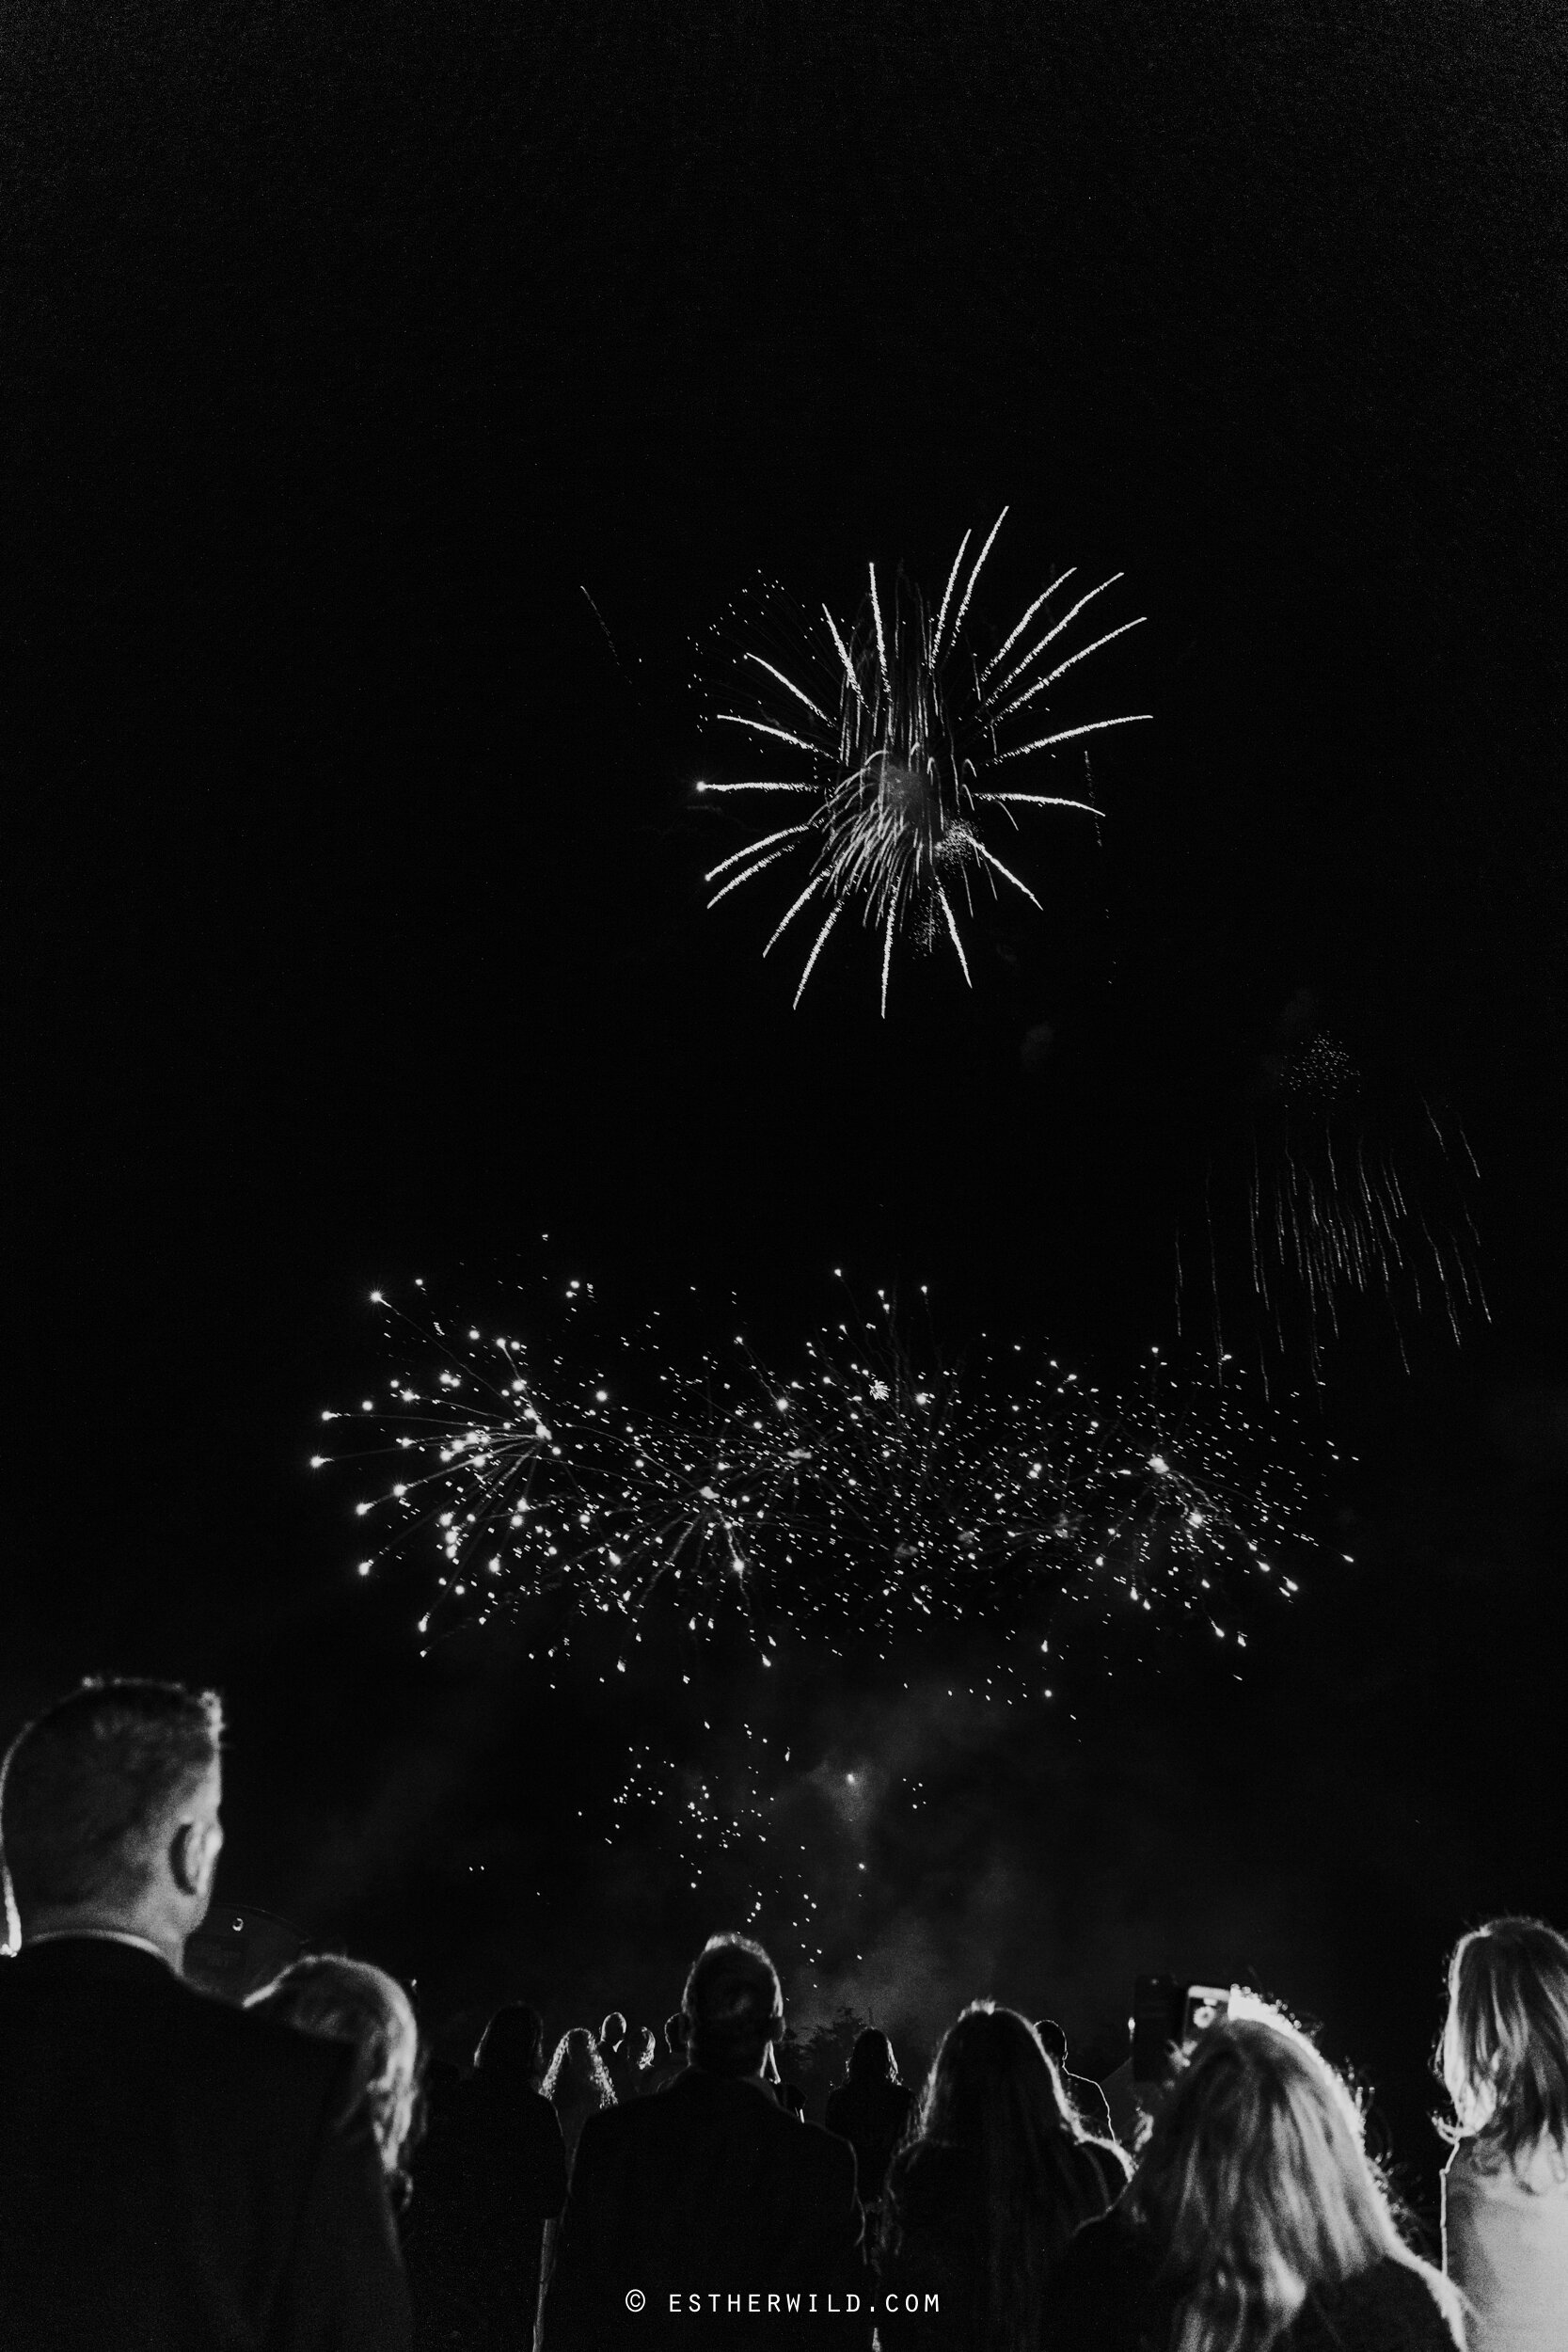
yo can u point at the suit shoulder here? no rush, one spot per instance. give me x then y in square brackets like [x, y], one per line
[823, 2148]
[247, 2044]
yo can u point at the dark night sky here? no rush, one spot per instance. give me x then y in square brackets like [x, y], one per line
[354, 911]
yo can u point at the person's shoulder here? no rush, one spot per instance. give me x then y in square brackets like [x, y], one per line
[1393, 2306]
[1107, 2247]
[620, 2119]
[1102, 2290]
[930, 2176]
[283, 2084]
[148, 2008]
[820, 2146]
[1102, 2163]
[245, 2043]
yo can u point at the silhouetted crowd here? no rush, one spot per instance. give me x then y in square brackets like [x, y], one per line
[180, 2173]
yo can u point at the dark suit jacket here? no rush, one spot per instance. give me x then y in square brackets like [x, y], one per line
[489, 2173]
[173, 2177]
[708, 2188]
[873, 2117]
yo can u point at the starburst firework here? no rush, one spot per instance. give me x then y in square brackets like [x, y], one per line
[903, 733]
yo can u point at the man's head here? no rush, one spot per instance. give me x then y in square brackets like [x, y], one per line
[674, 2032]
[1052, 2040]
[109, 1811]
[733, 2005]
[614, 2031]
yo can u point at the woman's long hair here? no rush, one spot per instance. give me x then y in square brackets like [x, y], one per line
[1255, 2189]
[577, 2075]
[872, 2060]
[993, 2091]
[349, 2000]
[511, 2049]
[1505, 2045]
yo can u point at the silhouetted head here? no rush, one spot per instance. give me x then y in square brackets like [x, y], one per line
[734, 2006]
[674, 2032]
[871, 2060]
[1505, 2044]
[993, 2094]
[576, 2072]
[614, 2031]
[512, 2047]
[992, 2079]
[350, 2001]
[1052, 2041]
[109, 1812]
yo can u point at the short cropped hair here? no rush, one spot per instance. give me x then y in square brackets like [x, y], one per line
[733, 2005]
[87, 1786]
[1052, 2040]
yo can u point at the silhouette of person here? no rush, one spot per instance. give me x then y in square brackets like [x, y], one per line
[489, 2177]
[983, 2200]
[1086, 2095]
[174, 2172]
[1254, 2217]
[710, 2189]
[871, 2109]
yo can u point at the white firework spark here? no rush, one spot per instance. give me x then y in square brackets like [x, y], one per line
[900, 744]
[852, 1505]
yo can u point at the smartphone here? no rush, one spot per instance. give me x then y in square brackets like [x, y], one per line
[1169, 2017]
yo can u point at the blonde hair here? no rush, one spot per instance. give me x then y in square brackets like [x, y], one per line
[349, 2000]
[1255, 2186]
[1504, 2054]
[577, 2071]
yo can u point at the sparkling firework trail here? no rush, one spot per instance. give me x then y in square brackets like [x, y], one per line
[900, 734]
[1349, 1198]
[859, 1502]
[826, 1588]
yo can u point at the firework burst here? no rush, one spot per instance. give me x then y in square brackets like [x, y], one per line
[900, 740]
[840, 1511]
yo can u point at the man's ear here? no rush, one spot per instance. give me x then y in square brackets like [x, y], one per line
[190, 1857]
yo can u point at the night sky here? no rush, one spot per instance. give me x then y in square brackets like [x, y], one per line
[354, 921]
